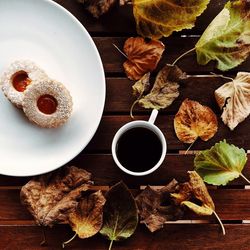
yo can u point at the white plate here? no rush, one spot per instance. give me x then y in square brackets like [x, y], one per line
[49, 35]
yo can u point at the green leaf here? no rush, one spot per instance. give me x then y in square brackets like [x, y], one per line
[221, 163]
[120, 216]
[227, 38]
[157, 18]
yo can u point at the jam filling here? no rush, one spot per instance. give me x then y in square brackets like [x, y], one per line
[20, 81]
[47, 104]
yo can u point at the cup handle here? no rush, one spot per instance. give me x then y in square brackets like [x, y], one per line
[153, 116]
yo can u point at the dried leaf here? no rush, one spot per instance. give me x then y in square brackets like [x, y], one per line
[234, 98]
[51, 197]
[194, 120]
[153, 212]
[120, 214]
[143, 56]
[124, 2]
[227, 38]
[221, 163]
[142, 86]
[197, 189]
[97, 7]
[86, 219]
[157, 18]
[165, 89]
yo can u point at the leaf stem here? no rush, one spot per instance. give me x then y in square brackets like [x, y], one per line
[189, 147]
[182, 55]
[68, 241]
[225, 77]
[44, 241]
[220, 222]
[114, 231]
[245, 178]
[111, 244]
[132, 107]
[120, 50]
[207, 76]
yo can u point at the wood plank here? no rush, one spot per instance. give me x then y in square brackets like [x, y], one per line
[231, 204]
[124, 20]
[119, 94]
[175, 46]
[172, 237]
[105, 172]
[110, 124]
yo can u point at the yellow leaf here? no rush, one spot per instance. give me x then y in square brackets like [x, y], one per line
[197, 189]
[157, 18]
[200, 210]
[194, 120]
[86, 220]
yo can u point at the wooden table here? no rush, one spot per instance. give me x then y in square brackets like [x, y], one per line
[17, 229]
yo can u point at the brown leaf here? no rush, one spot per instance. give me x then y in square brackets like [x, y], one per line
[97, 7]
[165, 89]
[142, 86]
[51, 197]
[197, 189]
[153, 212]
[86, 219]
[123, 2]
[194, 120]
[143, 56]
[190, 192]
[234, 99]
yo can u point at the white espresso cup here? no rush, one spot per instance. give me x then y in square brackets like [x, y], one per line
[140, 124]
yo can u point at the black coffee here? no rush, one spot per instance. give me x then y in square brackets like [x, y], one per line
[139, 149]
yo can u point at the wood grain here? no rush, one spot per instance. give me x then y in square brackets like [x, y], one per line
[232, 203]
[175, 46]
[124, 21]
[172, 237]
[107, 173]
[110, 124]
[228, 203]
[119, 94]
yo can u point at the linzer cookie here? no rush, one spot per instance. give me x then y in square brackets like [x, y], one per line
[47, 103]
[16, 79]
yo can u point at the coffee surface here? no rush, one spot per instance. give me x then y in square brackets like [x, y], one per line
[139, 149]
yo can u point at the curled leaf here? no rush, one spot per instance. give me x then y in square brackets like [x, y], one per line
[234, 99]
[152, 209]
[157, 18]
[194, 120]
[142, 56]
[197, 189]
[221, 163]
[227, 38]
[52, 197]
[97, 7]
[165, 89]
[142, 86]
[120, 214]
[86, 219]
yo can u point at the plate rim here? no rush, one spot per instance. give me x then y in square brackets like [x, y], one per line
[102, 102]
